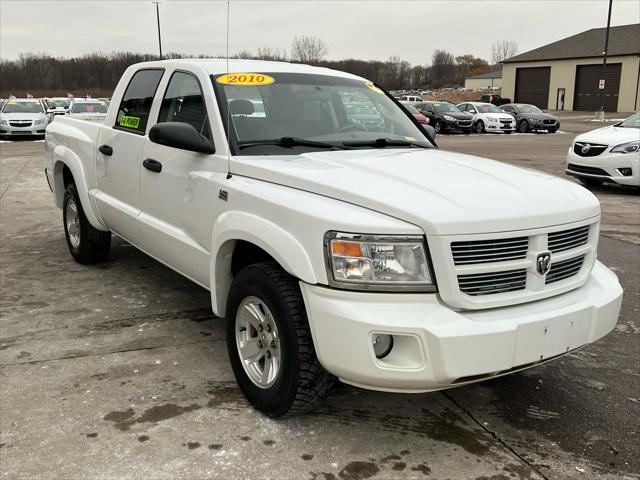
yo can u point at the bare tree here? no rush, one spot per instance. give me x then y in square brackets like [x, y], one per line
[443, 68]
[503, 49]
[308, 49]
[275, 54]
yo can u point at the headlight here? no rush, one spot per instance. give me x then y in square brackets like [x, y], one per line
[378, 262]
[40, 121]
[4, 122]
[629, 147]
[449, 118]
[491, 119]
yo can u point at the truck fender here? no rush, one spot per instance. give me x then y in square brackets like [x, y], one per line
[62, 156]
[235, 226]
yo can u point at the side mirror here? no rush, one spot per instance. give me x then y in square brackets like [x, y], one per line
[431, 131]
[180, 135]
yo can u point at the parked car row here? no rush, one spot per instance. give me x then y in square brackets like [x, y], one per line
[22, 117]
[484, 117]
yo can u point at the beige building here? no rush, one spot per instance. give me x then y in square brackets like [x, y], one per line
[568, 74]
[484, 80]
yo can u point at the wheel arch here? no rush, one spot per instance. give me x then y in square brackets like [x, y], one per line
[67, 167]
[237, 243]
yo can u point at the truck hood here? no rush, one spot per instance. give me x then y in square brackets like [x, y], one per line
[611, 135]
[445, 193]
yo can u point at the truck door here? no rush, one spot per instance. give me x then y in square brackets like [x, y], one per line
[118, 157]
[176, 226]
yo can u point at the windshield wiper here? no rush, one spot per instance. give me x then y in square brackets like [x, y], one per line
[382, 143]
[289, 142]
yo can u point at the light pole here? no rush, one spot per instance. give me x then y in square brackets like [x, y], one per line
[157, 4]
[604, 64]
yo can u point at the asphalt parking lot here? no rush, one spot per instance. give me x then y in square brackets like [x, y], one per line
[119, 370]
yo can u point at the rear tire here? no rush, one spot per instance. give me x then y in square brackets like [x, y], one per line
[86, 244]
[266, 320]
[480, 126]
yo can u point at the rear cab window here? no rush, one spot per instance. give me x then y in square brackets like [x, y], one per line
[133, 112]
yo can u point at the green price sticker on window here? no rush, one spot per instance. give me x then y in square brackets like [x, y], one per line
[131, 122]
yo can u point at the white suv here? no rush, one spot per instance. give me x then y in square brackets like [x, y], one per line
[609, 154]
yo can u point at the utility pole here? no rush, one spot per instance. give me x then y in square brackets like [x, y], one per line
[601, 84]
[157, 4]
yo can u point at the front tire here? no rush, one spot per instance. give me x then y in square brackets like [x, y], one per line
[269, 342]
[86, 244]
[480, 126]
[552, 130]
[438, 127]
[523, 126]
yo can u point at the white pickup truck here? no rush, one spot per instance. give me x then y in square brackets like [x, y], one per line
[331, 248]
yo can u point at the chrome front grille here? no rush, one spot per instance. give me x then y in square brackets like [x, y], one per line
[488, 251]
[568, 239]
[495, 282]
[490, 270]
[565, 269]
[20, 123]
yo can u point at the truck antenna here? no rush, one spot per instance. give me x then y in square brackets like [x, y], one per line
[228, 111]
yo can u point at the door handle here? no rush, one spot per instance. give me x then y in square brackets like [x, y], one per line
[152, 165]
[106, 150]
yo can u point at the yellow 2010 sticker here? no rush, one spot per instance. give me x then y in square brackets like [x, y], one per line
[245, 79]
[128, 121]
[373, 87]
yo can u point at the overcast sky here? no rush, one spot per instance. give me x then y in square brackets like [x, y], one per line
[351, 29]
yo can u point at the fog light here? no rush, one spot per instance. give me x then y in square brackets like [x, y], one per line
[625, 172]
[382, 345]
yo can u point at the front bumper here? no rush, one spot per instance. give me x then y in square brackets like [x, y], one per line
[436, 347]
[463, 125]
[10, 130]
[500, 126]
[606, 167]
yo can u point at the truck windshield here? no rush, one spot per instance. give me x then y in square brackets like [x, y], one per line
[98, 107]
[327, 110]
[22, 107]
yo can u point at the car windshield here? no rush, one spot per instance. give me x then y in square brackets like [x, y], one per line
[97, 107]
[445, 107]
[527, 109]
[632, 122]
[57, 103]
[327, 110]
[22, 107]
[488, 108]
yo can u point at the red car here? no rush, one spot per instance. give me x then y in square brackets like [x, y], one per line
[416, 114]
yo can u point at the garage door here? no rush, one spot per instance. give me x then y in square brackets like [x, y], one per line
[587, 96]
[532, 86]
